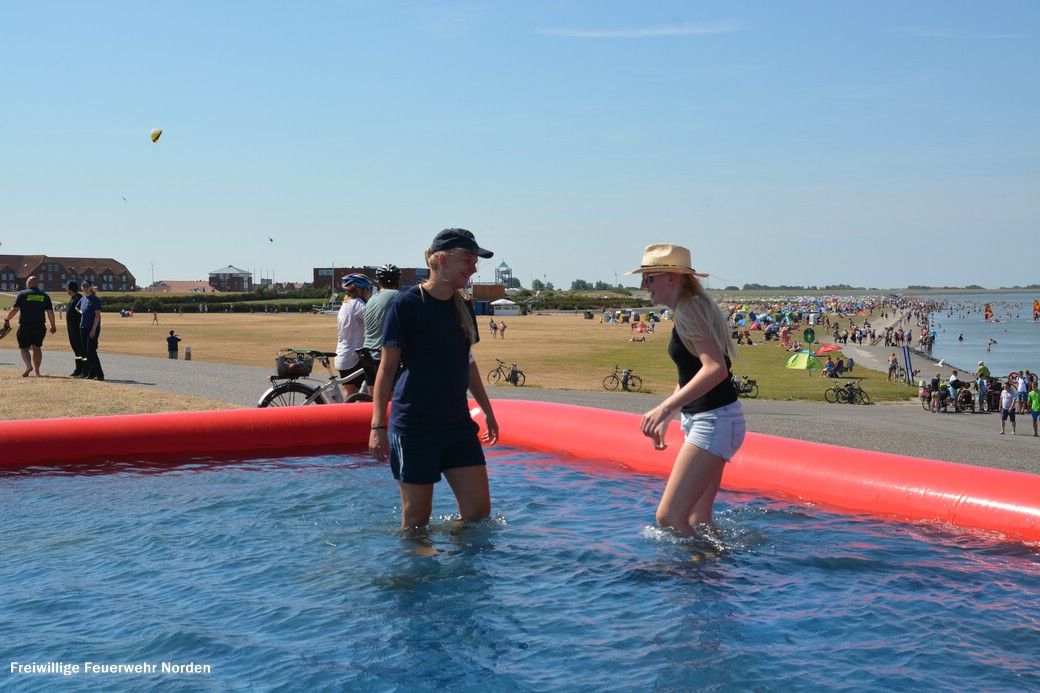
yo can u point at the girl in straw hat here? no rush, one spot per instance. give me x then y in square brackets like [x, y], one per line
[712, 420]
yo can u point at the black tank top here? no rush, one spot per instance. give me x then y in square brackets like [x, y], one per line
[719, 396]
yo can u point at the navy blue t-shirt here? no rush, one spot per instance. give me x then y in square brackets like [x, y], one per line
[88, 306]
[431, 392]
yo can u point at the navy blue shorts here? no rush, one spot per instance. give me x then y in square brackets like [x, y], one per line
[419, 458]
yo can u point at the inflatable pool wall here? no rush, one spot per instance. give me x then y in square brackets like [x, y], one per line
[902, 487]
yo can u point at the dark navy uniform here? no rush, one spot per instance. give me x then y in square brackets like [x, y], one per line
[72, 323]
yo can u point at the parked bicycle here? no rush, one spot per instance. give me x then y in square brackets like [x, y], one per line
[746, 387]
[629, 381]
[849, 393]
[512, 375]
[901, 374]
[294, 364]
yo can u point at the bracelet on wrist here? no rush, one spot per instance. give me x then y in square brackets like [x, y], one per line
[379, 428]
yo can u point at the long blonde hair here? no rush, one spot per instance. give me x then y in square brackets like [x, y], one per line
[460, 298]
[694, 311]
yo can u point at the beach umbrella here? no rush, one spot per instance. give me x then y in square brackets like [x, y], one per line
[828, 348]
[804, 360]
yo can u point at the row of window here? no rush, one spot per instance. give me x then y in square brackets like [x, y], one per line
[51, 270]
[104, 278]
[101, 286]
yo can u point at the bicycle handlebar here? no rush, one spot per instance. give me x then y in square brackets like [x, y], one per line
[324, 354]
[313, 352]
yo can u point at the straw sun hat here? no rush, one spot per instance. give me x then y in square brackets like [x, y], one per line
[666, 257]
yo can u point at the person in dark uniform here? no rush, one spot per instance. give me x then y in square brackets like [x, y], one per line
[35, 308]
[172, 343]
[72, 324]
[90, 331]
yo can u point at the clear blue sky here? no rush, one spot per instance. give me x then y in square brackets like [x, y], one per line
[877, 144]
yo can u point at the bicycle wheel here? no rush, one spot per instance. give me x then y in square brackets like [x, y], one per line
[862, 397]
[753, 391]
[831, 394]
[635, 383]
[520, 379]
[611, 382]
[290, 395]
[842, 395]
[926, 404]
[901, 375]
[494, 376]
[359, 397]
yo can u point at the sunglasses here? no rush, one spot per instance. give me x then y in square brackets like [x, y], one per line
[648, 279]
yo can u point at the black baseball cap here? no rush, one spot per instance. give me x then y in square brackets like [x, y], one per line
[72, 284]
[449, 239]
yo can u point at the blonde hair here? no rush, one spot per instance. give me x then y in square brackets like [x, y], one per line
[460, 298]
[694, 312]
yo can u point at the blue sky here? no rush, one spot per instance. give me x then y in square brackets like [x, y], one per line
[876, 144]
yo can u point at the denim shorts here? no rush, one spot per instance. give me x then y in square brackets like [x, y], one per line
[719, 431]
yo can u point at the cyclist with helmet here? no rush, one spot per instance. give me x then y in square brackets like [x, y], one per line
[388, 278]
[351, 323]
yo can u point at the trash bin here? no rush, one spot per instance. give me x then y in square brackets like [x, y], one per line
[187, 353]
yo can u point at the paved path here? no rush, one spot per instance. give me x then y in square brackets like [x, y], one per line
[897, 428]
[239, 385]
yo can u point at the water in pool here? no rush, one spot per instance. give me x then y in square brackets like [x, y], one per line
[292, 575]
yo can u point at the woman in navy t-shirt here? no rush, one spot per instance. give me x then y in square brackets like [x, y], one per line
[430, 329]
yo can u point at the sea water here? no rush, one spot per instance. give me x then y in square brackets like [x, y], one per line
[1017, 335]
[293, 575]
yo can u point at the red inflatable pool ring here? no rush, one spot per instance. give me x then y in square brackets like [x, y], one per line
[902, 487]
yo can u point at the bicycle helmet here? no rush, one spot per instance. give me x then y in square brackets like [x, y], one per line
[356, 281]
[388, 272]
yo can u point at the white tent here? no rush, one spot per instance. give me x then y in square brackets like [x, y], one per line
[504, 306]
